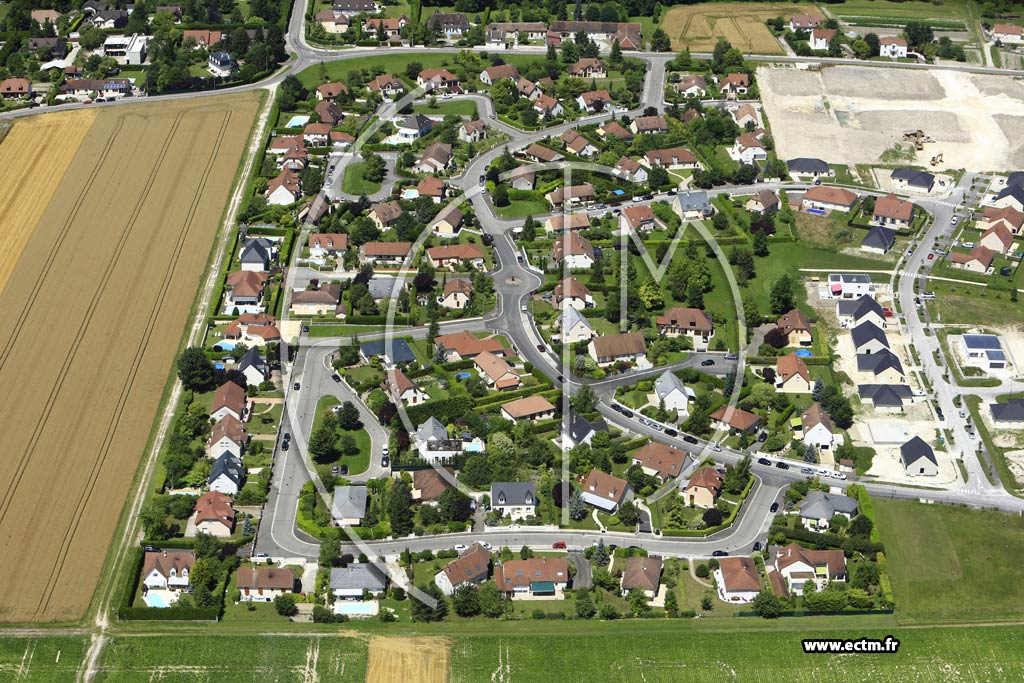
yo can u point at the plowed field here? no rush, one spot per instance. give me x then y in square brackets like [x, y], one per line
[90, 321]
[698, 27]
[408, 660]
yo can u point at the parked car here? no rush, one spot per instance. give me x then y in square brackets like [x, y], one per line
[762, 437]
[344, 470]
[764, 461]
[839, 475]
[541, 348]
[461, 547]
[558, 545]
[887, 312]
[671, 432]
[928, 296]
[719, 553]
[774, 507]
[806, 470]
[930, 256]
[284, 445]
[295, 386]
[335, 469]
[782, 465]
[732, 356]
[757, 546]
[689, 438]
[627, 413]
[336, 377]
[385, 461]
[707, 361]
[485, 544]
[716, 447]
[305, 328]
[151, 549]
[954, 220]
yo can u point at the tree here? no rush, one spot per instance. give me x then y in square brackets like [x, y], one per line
[628, 513]
[585, 400]
[374, 168]
[737, 476]
[660, 41]
[615, 55]
[529, 229]
[421, 611]
[712, 517]
[861, 49]
[577, 508]
[707, 603]
[454, 505]
[861, 526]
[810, 454]
[760, 243]
[466, 601]
[819, 386]
[347, 445]
[585, 605]
[767, 605]
[637, 601]
[491, 604]
[600, 556]
[400, 511]
[330, 550]
[285, 605]
[671, 602]
[195, 370]
[918, 33]
[501, 196]
[348, 416]
[321, 443]
[781, 295]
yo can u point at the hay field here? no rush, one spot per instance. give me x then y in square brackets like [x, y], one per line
[698, 27]
[36, 152]
[90, 322]
[408, 660]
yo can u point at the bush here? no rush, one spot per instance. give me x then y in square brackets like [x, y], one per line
[285, 605]
[702, 571]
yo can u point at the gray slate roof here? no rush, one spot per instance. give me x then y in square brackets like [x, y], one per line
[362, 576]
[914, 177]
[694, 201]
[885, 394]
[399, 353]
[822, 505]
[868, 331]
[349, 502]
[879, 238]
[1011, 411]
[667, 382]
[229, 466]
[513, 493]
[878, 362]
[915, 450]
[252, 358]
[431, 430]
[257, 250]
[858, 308]
[1015, 191]
[805, 165]
[580, 426]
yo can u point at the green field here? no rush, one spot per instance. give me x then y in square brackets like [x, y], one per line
[960, 304]
[658, 654]
[353, 182]
[521, 208]
[943, 12]
[446, 107]
[46, 660]
[227, 659]
[951, 564]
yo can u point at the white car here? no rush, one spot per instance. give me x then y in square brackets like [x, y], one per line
[385, 451]
[822, 472]
[716, 447]
[485, 544]
[838, 475]
[461, 547]
[954, 220]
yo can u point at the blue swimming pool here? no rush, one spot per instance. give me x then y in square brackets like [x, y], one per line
[155, 600]
[804, 353]
[358, 609]
[218, 366]
[297, 121]
[224, 345]
[816, 212]
[462, 375]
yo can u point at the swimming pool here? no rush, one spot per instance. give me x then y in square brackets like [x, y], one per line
[297, 121]
[816, 212]
[356, 608]
[461, 375]
[474, 448]
[224, 345]
[155, 600]
[804, 353]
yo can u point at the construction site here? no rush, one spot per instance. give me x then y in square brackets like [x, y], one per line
[860, 115]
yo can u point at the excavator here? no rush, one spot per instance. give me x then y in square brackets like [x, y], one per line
[937, 159]
[918, 137]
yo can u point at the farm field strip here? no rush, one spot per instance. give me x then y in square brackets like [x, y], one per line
[698, 27]
[93, 318]
[49, 659]
[36, 151]
[405, 660]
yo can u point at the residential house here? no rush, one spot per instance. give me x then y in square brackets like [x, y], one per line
[471, 568]
[448, 222]
[882, 367]
[798, 566]
[429, 484]
[574, 328]
[687, 322]
[533, 579]
[541, 154]
[673, 158]
[572, 292]
[473, 131]
[693, 205]
[214, 514]
[436, 158]
[824, 199]
[893, 212]
[226, 475]
[438, 79]
[893, 47]
[493, 74]
[577, 429]
[228, 399]
[575, 251]
[515, 499]
[228, 434]
[387, 85]
[918, 458]
[331, 91]
[284, 189]
[356, 580]
[326, 245]
[605, 491]
[869, 338]
[734, 84]
[1009, 414]
[983, 351]
[110, 18]
[744, 114]
[221, 64]
[464, 346]
[432, 187]
[737, 580]
[332, 22]
[201, 38]
[977, 260]
[649, 124]
[401, 389]
[452, 25]
[533, 408]
[594, 101]
[661, 460]
[643, 573]
[822, 37]
[637, 219]
[748, 148]
[589, 67]
[393, 351]
[765, 201]
[809, 168]
[263, 584]
[317, 134]
[495, 371]
[89, 87]
[614, 129]
[512, 33]
[797, 328]
[560, 222]
[819, 507]
[385, 214]
[384, 253]
[320, 301]
[433, 444]
[849, 285]
[885, 397]
[627, 347]
[547, 107]
[254, 329]
[15, 88]
[703, 488]
[804, 22]
[243, 290]
[413, 127]
[456, 294]
[254, 367]
[738, 419]
[351, 8]
[604, 33]
[878, 240]
[913, 180]
[670, 392]
[528, 89]
[691, 85]
[791, 375]
[388, 27]
[817, 428]
[578, 144]
[167, 569]
[631, 170]
[1006, 33]
[997, 239]
[349, 505]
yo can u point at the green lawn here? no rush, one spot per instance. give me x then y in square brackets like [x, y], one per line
[44, 660]
[357, 463]
[232, 659]
[353, 182]
[521, 208]
[970, 305]
[446, 107]
[946, 12]
[951, 564]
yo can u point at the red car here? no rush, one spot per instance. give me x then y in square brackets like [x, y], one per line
[887, 312]
[558, 545]
[931, 256]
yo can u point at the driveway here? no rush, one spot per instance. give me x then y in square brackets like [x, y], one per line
[584, 572]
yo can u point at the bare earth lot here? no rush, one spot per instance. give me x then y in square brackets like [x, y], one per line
[699, 27]
[408, 660]
[90, 321]
[850, 114]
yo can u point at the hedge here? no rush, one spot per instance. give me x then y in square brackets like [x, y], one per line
[866, 508]
[169, 613]
[726, 522]
[445, 410]
[849, 545]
